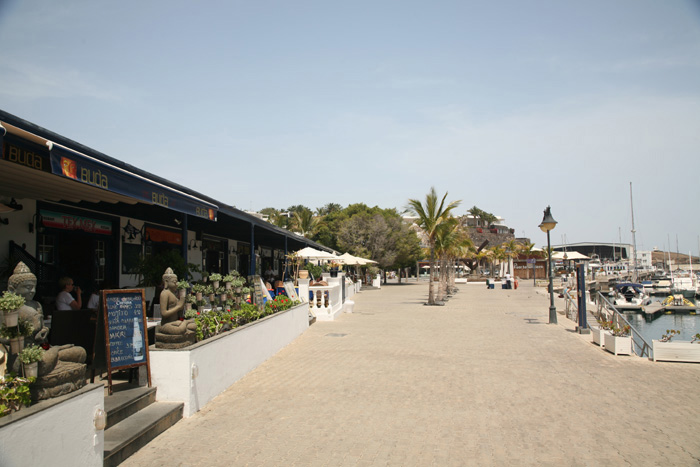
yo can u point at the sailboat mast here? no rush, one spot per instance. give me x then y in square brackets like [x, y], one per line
[634, 237]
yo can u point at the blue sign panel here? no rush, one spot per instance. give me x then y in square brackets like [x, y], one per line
[83, 169]
[125, 332]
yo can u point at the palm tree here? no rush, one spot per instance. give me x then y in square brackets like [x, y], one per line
[430, 215]
[512, 249]
[498, 254]
[304, 222]
[446, 245]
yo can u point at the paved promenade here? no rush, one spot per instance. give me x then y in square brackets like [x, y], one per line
[483, 380]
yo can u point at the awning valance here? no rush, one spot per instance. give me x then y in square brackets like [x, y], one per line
[90, 171]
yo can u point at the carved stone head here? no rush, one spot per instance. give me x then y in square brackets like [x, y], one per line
[22, 282]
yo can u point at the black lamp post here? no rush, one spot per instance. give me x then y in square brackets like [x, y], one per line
[548, 223]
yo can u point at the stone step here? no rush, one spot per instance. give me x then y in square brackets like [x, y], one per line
[126, 401]
[131, 434]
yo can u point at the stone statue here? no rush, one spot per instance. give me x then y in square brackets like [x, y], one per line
[62, 370]
[173, 333]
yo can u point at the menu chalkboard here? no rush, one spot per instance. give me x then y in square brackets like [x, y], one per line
[125, 330]
[257, 295]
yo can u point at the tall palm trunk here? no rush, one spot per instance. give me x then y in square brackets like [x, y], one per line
[431, 293]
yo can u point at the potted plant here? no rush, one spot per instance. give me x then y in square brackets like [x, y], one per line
[209, 290]
[10, 303]
[237, 284]
[215, 278]
[30, 357]
[14, 393]
[16, 334]
[676, 351]
[198, 290]
[334, 267]
[619, 341]
[598, 333]
[228, 278]
[189, 301]
[182, 287]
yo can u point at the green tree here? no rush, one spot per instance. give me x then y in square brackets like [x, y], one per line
[304, 222]
[431, 214]
[329, 208]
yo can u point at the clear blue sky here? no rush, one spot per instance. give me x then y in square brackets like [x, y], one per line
[507, 105]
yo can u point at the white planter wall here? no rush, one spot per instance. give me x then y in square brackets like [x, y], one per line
[618, 345]
[598, 336]
[197, 374]
[58, 431]
[676, 351]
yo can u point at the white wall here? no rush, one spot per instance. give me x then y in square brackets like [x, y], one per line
[63, 434]
[222, 360]
[17, 230]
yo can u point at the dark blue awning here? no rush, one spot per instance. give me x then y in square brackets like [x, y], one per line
[90, 171]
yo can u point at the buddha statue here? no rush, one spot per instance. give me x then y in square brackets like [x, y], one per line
[173, 333]
[23, 282]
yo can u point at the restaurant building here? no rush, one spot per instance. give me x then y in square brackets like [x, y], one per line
[69, 210]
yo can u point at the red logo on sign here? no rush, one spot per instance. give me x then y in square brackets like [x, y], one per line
[69, 167]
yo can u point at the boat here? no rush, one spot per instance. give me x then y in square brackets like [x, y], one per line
[684, 284]
[677, 301]
[629, 296]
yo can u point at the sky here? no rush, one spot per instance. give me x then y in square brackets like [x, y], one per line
[509, 106]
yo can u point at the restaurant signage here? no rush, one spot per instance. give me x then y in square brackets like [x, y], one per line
[125, 330]
[160, 235]
[25, 153]
[84, 169]
[63, 221]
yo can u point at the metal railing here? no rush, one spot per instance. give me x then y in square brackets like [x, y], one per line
[571, 307]
[607, 311]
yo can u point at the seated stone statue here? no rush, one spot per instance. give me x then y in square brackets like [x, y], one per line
[23, 282]
[173, 333]
[62, 369]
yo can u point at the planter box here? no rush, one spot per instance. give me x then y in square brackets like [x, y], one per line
[198, 373]
[598, 335]
[676, 351]
[618, 345]
[57, 431]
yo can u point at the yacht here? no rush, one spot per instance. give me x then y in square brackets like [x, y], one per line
[629, 296]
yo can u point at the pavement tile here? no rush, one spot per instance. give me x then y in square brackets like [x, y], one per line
[483, 380]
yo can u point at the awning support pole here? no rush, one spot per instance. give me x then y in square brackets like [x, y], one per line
[253, 259]
[184, 244]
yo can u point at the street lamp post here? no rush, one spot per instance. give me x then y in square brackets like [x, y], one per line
[548, 223]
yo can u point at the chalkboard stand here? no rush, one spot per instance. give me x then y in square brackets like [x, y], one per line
[257, 294]
[119, 310]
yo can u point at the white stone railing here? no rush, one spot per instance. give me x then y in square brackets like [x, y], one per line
[327, 301]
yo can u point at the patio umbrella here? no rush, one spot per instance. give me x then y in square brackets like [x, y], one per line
[350, 260]
[570, 255]
[312, 253]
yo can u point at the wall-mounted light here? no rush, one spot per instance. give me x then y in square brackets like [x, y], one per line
[192, 245]
[10, 206]
[36, 223]
[100, 419]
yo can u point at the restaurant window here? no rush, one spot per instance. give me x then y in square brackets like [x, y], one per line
[100, 260]
[47, 249]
